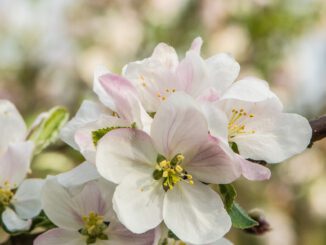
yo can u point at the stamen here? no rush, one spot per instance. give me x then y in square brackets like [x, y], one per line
[171, 172]
[94, 227]
[6, 195]
[236, 126]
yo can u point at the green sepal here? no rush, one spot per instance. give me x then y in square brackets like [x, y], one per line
[229, 193]
[160, 158]
[240, 218]
[103, 237]
[46, 128]
[234, 147]
[157, 174]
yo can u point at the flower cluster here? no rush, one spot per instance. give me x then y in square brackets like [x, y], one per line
[165, 134]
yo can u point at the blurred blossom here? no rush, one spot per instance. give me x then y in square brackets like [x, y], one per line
[232, 39]
[282, 231]
[164, 12]
[303, 168]
[317, 198]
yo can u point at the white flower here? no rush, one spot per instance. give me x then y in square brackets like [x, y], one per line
[85, 217]
[257, 125]
[160, 174]
[19, 206]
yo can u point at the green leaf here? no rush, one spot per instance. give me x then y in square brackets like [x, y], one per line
[229, 193]
[46, 128]
[240, 218]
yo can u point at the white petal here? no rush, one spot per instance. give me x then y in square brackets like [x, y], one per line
[90, 199]
[84, 137]
[276, 138]
[15, 163]
[119, 235]
[195, 213]
[59, 207]
[88, 112]
[221, 241]
[14, 223]
[12, 125]
[59, 236]
[27, 200]
[216, 119]
[254, 171]
[213, 165]
[179, 126]
[79, 175]
[223, 70]
[192, 74]
[166, 56]
[249, 89]
[123, 151]
[138, 202]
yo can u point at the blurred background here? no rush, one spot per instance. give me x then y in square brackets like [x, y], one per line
[49, 49]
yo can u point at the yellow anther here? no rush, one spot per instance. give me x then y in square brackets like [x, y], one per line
[94, 226]
[180, 157]
[191, 182]
[165, 174]
[144, 84]
[251, 115]
[167, 90]
[158, 95]
[164, 164]
[163, 98]
[178, 168]
[6, 194]
[173, 90]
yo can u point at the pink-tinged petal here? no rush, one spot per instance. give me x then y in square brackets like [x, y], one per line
[98, 88]
[124, 96]
[15, 163]
[192, 74]
[213, 165]
[254, 171]
[123, 151]
[59, 236]
[12, 125]
[195, 213]
[222, 71]
[59, 207]
[250, 89]
[81, 174]
[209, 95]
[138, 202]
[14, 223]
[88, 112]
[90, 199]
[221, 241]
[120, 235]
[179, 126]
[196, 44]
[27, 199]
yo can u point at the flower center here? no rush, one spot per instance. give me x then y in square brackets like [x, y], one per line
[171, 172]
[236, 124]
[94, 227]
[5, 195]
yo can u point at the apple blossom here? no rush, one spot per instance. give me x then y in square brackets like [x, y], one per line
[160, 174]
[85, 217]
[19, 198]
[257, 125]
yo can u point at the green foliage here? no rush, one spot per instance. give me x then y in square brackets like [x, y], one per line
[46, 128]
[240, 218]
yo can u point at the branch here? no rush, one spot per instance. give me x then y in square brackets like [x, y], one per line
[318, 129]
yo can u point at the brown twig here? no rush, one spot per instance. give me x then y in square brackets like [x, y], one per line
[318, 129]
